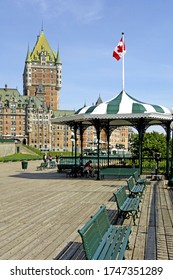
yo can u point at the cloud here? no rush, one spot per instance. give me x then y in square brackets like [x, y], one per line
[81, 11]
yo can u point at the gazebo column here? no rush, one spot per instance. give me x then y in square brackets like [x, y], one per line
[107, 130]
[108, 141]
[167, 150]
[141, 135]
[81, 137]
[98, 129]
[75, 137]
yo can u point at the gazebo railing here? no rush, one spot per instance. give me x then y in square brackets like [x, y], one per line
[148, 164]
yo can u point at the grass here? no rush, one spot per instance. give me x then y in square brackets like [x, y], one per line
[38, 155]
[19, 157]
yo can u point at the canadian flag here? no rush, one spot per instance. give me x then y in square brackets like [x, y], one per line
[119, 50]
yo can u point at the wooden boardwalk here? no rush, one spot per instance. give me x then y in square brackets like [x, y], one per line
[42, 210]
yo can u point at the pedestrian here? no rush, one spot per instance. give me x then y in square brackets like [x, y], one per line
[57, 158]
[88, 169]
[50, 157]
[45, 158]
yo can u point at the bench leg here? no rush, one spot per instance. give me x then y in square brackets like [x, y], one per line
[128, 247]
[135, 216]
[39, 168]
[134, 223]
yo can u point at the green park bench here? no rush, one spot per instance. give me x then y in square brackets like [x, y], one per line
[135, 189]
[139, 180]
[120, 172]
[127, 206]
[42, 166]
[63, 167]
[52, 164]
[75, 172]
[102, 240]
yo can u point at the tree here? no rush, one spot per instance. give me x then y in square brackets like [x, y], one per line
[153, 142]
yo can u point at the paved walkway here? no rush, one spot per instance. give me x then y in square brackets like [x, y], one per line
[42, 210]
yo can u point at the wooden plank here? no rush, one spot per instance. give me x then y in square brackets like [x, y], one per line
[41, 212]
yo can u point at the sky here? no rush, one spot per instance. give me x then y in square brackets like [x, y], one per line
[86, 32]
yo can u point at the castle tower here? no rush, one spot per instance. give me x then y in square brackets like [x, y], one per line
[42, 73]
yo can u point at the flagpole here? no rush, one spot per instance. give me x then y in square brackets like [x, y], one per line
[123, 63]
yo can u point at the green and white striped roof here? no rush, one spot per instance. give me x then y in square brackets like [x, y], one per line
[122, 110]
[123, 104]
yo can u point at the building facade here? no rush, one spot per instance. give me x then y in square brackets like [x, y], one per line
[27, 117]
[24, 118]
[42, 73]
[12, 114]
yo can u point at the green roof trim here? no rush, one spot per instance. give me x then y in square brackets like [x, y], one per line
[134, 99]
[158, 109]
[77, 112]
[138, 108]
[90, 109]
[114, 104]
[112, 109]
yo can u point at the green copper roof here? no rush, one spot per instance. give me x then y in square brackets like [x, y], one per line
[62, 113]
[42, 45]
[28, 56]
[12, 94]
[58, 60]
[7, 93]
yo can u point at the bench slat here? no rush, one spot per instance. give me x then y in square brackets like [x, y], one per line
[135, 189]
[101, 240]
[127, 205]
[118, 237]
[117, 171]
[139, 180]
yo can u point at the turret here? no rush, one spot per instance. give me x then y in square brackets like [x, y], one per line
[28, 56]
[58, 71]
[27, 71]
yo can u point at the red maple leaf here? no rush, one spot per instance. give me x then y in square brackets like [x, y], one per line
[120, 48]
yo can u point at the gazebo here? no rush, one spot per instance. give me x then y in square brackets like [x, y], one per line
[122, 110]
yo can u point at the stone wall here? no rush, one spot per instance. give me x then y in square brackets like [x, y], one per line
[7, 149]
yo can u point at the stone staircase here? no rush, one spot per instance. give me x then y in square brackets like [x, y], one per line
[24, 150]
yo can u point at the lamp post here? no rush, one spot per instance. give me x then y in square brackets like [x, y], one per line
[170, 181]
[72, 143]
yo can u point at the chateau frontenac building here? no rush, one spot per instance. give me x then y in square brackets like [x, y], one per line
[42, 73]
[27, 117]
